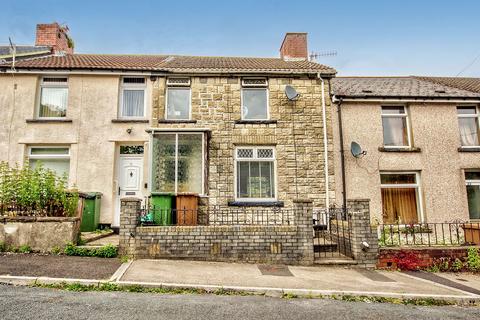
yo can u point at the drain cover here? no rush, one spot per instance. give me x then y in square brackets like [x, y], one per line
[270, 270]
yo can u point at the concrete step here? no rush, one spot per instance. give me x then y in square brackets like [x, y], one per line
[93, 236]
[335, 261]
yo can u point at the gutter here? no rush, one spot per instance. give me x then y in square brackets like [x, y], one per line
[411, 99]
[325, 144]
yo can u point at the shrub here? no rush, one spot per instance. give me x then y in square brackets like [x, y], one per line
[107, 251]
[25, 249]
[27, 191]
[473, 260]
[3, 246]
[406, 260]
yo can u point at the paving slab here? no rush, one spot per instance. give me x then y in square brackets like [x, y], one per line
[36, 265]
[304, 278]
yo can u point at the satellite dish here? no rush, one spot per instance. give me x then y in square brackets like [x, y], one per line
[356, 150]
[291, 93]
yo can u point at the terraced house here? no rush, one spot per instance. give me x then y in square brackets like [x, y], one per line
[218, 129]
[421, 137]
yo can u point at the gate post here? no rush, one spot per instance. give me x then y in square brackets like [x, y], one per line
[129, 210]
[364, 238]
[304, 221]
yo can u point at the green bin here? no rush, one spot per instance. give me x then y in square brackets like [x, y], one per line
[161, 206]
[91, 211]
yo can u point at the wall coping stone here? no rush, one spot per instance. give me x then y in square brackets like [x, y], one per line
[302, 201]
[130, 199]
[38, 219]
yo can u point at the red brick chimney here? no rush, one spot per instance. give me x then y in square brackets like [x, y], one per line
[294, 46]
[55, 36]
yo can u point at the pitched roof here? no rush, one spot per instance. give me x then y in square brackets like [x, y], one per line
[396, 87]
[23, 51]
[173, 63]
[469, 84]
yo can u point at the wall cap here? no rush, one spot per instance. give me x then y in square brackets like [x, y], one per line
[130, 199]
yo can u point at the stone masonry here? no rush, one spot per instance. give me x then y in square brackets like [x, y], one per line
[286, 244]
[294, 128]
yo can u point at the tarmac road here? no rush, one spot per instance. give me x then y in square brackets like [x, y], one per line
[18, 302]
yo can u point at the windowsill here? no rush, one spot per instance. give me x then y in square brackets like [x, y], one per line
[471, 149]
[399, 149]
[256, 203]
[49, 120]
[255, 121]
[130, 121]
[176, 121]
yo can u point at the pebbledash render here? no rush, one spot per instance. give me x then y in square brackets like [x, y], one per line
[132, 125]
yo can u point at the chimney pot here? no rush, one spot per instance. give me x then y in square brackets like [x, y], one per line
[294, 46]
[55, 36]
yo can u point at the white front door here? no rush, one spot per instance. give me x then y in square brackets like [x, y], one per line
[130, 180]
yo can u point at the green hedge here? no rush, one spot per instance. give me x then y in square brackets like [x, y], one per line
[107, 251]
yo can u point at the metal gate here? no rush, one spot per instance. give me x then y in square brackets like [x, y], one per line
[332, 234]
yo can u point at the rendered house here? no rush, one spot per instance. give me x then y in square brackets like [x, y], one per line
[421, 137]
[218, 127]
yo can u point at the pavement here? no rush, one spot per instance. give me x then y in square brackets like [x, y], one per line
[17, 302]
[272, 280]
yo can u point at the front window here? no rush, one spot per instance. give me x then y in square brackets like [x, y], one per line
[400, 197]
[468, 122]
[178, 162]
[395, 127]
[255, 173]
[54, 158]
[254, 99]
[132, 100]
[472, 179]
[53, 97]
[178, 99]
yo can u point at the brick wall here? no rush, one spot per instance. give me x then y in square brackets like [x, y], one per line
[296, 133]
[426, 256]
[286, 244]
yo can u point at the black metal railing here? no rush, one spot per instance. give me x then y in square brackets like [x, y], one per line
[332, 233]
[214, 215]
[429, 234]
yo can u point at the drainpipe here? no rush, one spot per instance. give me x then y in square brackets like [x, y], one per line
[325, 143]
[338, 102]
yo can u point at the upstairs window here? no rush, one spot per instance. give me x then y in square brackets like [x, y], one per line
[53, 97]
[396, 132]
[178, 99]
[255, 173]
[468, 123]
[53, 158]
[255, 99]
[472, 179]
[132, 101]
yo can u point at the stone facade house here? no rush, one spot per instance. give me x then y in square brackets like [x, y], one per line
[422, 145]
[132, 125]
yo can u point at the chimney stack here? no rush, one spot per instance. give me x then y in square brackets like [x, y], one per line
[294, 46]
[55, 36]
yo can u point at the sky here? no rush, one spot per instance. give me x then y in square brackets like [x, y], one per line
[403, 37]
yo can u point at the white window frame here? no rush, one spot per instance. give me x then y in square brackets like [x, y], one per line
[407, 120]
[471, 182]
[50, 156]
[133, 86]
[475, 116]
[252, 87]
[51, 85]
[256, 159]
[181, 86]
[416, 185]
[176, 133]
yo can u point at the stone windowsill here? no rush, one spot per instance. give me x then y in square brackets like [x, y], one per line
[255, 121]
[473, 149]
[130, 121]
[412, 149]
[164, 121]
[256, 203]
[49, 120]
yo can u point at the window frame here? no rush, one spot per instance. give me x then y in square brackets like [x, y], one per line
[50, 156]
[476, 116]
[176, 133]
[470, 182]
[256, 159]
[417, 185]
[255, 87]
[51, 85]
[181, 86]
[407, 121]
[132, 86]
